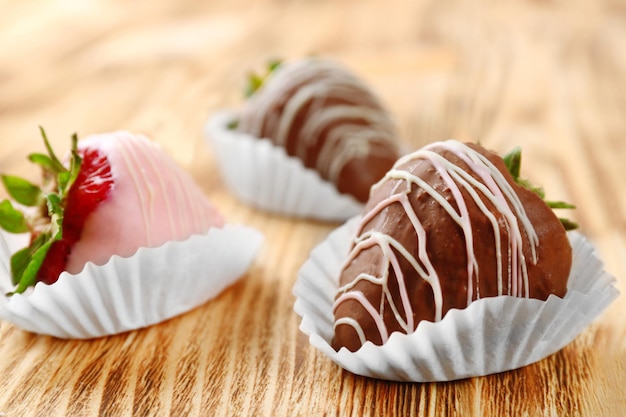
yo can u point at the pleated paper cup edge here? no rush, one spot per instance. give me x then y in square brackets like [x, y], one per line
[339, 206]
[18, 309]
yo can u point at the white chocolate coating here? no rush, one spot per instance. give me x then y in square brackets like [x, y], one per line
[151, 202]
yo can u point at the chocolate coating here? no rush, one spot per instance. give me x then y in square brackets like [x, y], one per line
[321, 113]
[430, 240]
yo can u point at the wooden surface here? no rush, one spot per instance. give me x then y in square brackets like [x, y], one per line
[547, 75]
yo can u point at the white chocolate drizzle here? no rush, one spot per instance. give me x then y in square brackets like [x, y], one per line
[183, 214]
[512, 274]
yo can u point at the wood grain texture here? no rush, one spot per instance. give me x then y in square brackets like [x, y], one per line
[548, 75]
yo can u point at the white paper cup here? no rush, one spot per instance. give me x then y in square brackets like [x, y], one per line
[264, 176]
[491, 335]
[151, 286]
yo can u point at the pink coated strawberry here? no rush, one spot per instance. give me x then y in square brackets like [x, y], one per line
[90, 188]
[116, 193]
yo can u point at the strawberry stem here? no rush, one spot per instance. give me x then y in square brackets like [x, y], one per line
[255, 81]
[57, 166]
[26, 263]
[513, 162]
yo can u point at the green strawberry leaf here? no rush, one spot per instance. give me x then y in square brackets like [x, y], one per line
[54, 204]
[560, 205]
[513, 162]
[63, 180]
[255, 81]
[11, 219]
[29, 276]
[66, 178]
[568, 224]
[19, 262]
[23, 257]
[48, 227]
[528, 185]
[44, 161]
[273, 64]
[232, 125]
[75, 164]
[55, 211]
[22, 191]
[58, 166]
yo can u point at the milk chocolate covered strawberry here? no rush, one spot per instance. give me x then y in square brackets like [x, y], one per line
[112, 195]
[449, 224]
[321, 113]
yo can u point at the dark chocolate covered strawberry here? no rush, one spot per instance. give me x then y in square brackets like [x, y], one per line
[447, 225]
[328, 118]
[112, 195]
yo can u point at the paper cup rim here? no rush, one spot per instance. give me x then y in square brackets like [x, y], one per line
[261, 174]
[129, 293]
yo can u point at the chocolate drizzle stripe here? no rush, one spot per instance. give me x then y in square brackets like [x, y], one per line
[492, 186]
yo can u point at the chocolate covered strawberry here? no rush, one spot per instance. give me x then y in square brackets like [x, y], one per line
[451, 223]
[325, 116]
[112, 195]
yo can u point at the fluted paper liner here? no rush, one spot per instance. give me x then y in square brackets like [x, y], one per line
[151, 286]
[264, 176]
[491, 335]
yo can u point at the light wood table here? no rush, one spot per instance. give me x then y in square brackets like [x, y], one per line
[547, 75]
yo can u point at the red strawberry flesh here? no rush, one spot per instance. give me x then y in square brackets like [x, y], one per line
[91, 188]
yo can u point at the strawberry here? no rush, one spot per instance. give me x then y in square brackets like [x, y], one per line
[324, 115]
[116, 192]
[450, 224]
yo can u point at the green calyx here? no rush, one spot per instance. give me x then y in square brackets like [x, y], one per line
[513, 162]
[47, 224]
[255, 81]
